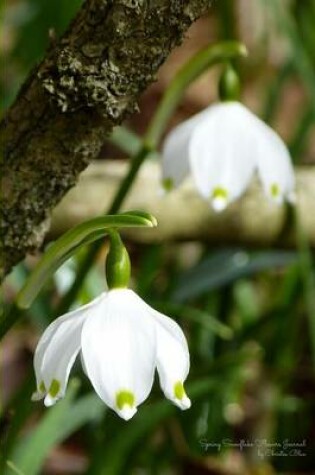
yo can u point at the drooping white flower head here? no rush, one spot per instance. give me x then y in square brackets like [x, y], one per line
[222, 147]
[122, 341]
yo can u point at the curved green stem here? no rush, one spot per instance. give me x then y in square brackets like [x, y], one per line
[70, 242]
[94, 249]
[197, 65]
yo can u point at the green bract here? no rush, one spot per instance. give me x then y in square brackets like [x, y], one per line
[229, 85]
[70, 242]
[117, 263]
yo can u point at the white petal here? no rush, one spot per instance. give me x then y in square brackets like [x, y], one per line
[175, 156]
[119, 351]
[127, 412]
[221, 152]
[274, 165]
[172, 359]
[219, 203]
[56, 353]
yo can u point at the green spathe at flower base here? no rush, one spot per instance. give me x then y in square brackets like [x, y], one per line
[117, 263]
[69, 244]
[229, 85]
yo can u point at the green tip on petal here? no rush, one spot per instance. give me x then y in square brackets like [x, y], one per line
[125, 398]
[219, 192]
[168, 184]
[54, 388]
[40, 392]
[181, 399]
[154, 221]
[179, 391]
[219, 199]
[275, 190]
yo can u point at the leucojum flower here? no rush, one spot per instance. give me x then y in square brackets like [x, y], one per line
[122, 341]
[222, 147]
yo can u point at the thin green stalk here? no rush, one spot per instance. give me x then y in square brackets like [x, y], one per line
[202, 61]
[126, 140]
[9, 318]
[299, 140]
[126, 184]
[14, 469]
[274, 94]
[228, 22]
[300, 57]
[308, 278]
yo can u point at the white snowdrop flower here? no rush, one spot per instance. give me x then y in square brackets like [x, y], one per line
[122, 340]
[222, 147]
[274, 165]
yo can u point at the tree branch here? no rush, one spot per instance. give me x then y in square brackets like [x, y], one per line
[183, 215]
[88, 83]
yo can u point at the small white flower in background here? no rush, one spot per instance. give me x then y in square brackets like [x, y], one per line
[122, 340]
[222, 147]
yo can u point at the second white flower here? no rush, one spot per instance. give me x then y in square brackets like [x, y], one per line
[222, 147]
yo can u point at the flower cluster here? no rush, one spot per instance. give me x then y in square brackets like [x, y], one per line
[222, 147]
[122, 341]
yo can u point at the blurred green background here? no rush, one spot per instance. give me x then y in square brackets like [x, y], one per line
[246, 313]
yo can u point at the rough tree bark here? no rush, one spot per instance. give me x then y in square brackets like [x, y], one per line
[88, 82]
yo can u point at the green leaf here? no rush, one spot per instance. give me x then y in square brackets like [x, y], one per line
[20, 409]
[196, 315]
[31, 452]
[56, 425]
[225, 267]
[73, 240]
[300, 55]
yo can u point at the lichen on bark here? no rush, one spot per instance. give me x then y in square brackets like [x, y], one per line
[87, 83]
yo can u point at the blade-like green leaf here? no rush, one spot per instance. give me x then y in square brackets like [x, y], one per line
[57, 424]
[198, 316]
[225, 267]
[70, 242]
[31, 452]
